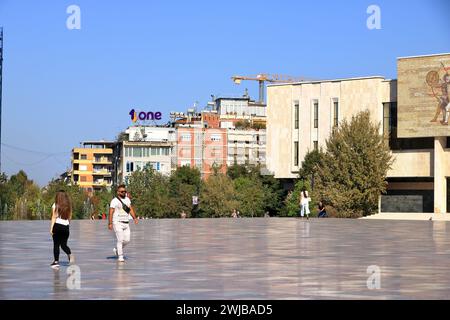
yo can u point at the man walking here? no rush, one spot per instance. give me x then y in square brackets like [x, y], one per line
[119, 212]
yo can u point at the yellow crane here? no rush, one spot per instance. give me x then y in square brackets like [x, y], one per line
[263, 77]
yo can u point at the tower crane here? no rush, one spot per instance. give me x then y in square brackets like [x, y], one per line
[263, 77]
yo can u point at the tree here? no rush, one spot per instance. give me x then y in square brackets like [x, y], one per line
[242, 124]
[122, 136]
[101, 200]
[310, 163]
[78, 197]
[292, 200]
[250, 194]
[271, 187]
[150, 191]
[185, 182]
[352, 175]
[217, 197]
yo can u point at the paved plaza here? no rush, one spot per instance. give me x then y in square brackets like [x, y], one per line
[260, 258]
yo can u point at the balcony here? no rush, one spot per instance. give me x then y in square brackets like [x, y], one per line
[101, 173]
[81, 161]
[102, 160]
[102, 183]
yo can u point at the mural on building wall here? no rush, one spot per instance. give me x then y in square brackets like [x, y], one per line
[439, 90]
[424, 96]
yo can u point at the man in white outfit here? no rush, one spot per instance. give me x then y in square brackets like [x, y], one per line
[119, 217]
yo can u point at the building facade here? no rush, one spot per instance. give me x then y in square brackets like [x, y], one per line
[202, 148]
[147, 145]
[93, 165]
[246, 147]
[301, 116]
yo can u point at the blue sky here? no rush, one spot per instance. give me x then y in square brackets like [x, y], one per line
[61, 86]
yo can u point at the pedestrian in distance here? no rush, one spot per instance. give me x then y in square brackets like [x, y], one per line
[119, 217]
[322, 210]
[304, 203]
[59, 227]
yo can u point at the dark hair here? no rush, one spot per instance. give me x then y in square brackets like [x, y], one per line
[63, 205]
[121, 186]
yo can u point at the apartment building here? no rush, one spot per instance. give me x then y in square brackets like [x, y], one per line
[147, 145]
[203, 148]
[93, 165]
[246, 147]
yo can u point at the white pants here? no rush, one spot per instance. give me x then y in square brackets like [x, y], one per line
[304, 209]
[122, 231]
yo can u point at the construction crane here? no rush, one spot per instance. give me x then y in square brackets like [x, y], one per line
[261, 78]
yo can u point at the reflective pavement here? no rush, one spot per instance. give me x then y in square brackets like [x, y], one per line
[260, 258]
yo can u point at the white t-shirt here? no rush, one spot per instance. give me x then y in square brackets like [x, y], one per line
[305, 201]
[119, 214]
[64, 222]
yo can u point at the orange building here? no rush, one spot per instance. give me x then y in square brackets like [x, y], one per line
[93, 165]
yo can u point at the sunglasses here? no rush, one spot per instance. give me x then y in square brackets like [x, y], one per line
[122, 192]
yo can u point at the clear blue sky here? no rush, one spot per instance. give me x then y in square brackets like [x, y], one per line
[64, 86]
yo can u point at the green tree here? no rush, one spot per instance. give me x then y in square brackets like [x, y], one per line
[185, 182]
[353, 172]
[101, 200]
[272, 189]
[250, 194]
[218, 196]
[292, 200]
[150, 193]
[310, 164]
[78, 197]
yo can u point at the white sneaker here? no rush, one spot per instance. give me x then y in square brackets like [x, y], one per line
[115, 252]
[71, 259]
[121, 259]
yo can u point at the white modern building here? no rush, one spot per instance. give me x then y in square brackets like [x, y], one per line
[246, 147]
[147, 145]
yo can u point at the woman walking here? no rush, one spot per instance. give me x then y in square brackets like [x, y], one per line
[59, 228]
[304, 202]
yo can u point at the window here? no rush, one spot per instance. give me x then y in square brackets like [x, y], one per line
[316, 114]
[186, 137]
[387, 122]
[130, 166]
[316, 145]
[335, 113]
[137, 152]
[215, 137]
[83, 157]
[390, 128]
[83, 168]
[296, 106]
[154, 151]
[296, 153]
[185, 163]
[83, 178]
